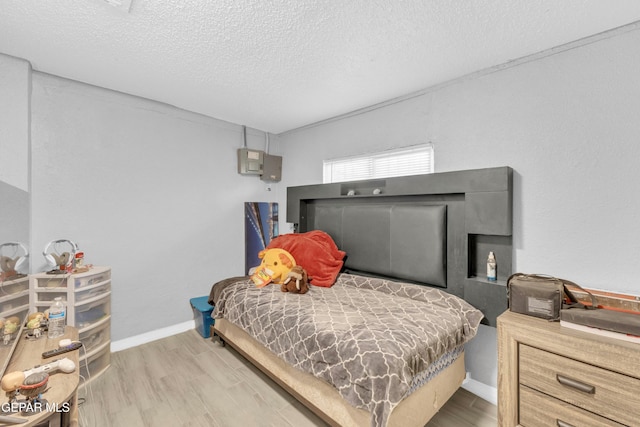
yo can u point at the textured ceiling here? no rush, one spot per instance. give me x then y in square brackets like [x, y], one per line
[278, 65]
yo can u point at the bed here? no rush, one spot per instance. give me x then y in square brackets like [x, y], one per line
[381, 342]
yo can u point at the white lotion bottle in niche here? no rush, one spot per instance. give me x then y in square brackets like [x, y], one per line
[492, 271]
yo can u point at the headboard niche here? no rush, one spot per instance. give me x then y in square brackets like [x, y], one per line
[434, 230]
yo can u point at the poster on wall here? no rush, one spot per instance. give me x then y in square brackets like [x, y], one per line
[260, 226]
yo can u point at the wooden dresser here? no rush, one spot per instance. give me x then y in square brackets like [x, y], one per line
[554, 376]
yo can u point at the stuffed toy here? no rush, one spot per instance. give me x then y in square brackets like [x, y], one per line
[316, 251]
[275, 265]
[297, 281]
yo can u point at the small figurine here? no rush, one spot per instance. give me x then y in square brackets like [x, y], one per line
[10, 329]
[36, 324]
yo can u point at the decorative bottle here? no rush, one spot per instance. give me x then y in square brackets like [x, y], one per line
[57, 318]
[492, 275]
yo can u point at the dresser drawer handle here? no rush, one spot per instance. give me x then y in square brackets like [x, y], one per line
[578, 385]
[561, 423]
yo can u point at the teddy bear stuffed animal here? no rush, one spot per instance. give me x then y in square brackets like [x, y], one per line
[297, 281]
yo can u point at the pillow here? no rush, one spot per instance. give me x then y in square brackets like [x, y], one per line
[316, 252]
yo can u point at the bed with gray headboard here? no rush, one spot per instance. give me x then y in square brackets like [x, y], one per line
[416, 250]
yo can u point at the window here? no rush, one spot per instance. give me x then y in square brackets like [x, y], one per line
[413, 160]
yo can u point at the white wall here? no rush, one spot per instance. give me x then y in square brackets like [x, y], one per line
[145, 188]
[566, 122]
[15, 84]
[14, 121]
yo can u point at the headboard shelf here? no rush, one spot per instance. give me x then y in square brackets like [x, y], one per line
[479, 247]
[363, 188]
[434, 229]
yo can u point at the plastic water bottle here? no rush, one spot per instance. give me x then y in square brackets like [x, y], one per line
[57, 318]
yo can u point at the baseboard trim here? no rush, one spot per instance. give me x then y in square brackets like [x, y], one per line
[156, 334]
[484, 391]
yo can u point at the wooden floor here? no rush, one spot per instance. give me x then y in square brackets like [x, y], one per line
[186, 380]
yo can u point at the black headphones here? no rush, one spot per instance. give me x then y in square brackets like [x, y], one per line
[59, 259]
[19, 262]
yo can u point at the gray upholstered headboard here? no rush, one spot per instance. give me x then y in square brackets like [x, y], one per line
[435, 230]
[404, 241]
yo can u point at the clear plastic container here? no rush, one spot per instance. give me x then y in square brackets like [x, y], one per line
[92, 278]
[96, 337]
[57, 318]
[94, 365]
[93, 291]
[7, 303]
[49, 297]
[14, 286]
[92, 311]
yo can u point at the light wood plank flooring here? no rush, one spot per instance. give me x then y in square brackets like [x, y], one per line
[186, 380]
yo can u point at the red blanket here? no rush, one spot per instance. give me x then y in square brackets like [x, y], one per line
[316, 252]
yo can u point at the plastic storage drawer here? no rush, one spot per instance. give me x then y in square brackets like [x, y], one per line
[97, 336]
[52, 281]
[48, 297]
[7, 304]
[91, 278]
[13, 287]
[93, 291]
[95, 365]
[92, 312]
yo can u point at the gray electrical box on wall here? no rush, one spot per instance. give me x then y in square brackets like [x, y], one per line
[250, 162]
[272, 168]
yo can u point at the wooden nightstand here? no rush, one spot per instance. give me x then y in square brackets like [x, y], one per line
[554, 376]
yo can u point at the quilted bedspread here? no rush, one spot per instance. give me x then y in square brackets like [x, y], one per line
[368, 337]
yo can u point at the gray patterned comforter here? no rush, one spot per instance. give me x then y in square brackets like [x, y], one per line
[368, 337]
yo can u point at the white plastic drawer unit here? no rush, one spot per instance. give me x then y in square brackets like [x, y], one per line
[14, 297]
[78, 280]
[20, 312]
[94, 365]
[92, 291]
[47, 281]
[87, 297]
[13, 287]
[46, 297]
[91, 278]
[97, 335]
[11, 302]
[92, 311]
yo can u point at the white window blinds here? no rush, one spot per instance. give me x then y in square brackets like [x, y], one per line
[414, 160]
